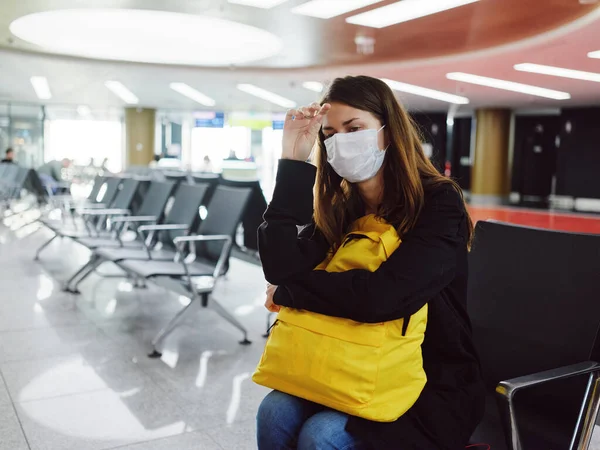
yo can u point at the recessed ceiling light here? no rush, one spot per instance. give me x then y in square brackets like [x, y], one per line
[192, 93]
[326, 9]
[404, 11]
[41, 88]
[508, 86]
[595, 54]
[314, 86]
[265, 4]
[131, 35]
[425, 92]
[266, 95]
[558, 72]
[84, 111]
[122, 92]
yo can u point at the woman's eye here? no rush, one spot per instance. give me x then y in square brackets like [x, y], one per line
[353, 129]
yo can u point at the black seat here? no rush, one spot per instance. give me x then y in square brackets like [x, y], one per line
[108, 194]
[253, 215]
[212, 180]
[151, 211]
[208, 257]
[182, 217]
[533, 301]
[176, 177]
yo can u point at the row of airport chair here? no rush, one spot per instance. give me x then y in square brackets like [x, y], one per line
[535, 310]
[257, 203]
[174, 243]
[14, 180]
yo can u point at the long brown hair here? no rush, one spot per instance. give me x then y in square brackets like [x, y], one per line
[407, 172]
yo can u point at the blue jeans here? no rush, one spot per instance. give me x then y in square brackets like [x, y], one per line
[286, 422]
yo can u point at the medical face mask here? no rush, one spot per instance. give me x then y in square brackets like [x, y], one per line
[355, 156]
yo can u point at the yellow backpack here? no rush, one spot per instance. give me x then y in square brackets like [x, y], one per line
[374, 371]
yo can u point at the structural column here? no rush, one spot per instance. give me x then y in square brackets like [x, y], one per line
[490, 182]
[139, 130]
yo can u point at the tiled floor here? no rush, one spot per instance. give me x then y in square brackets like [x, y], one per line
[74, 372]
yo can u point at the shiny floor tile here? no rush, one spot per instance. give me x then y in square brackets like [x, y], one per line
[11, 434]
[54, 377]
[100, 419]
[187, 441]
[240, 437]
[49, 342]
[4, 397]
[26, 316]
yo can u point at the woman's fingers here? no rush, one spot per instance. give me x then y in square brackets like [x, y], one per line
[308, 112]
[324, 109]
[269, 304]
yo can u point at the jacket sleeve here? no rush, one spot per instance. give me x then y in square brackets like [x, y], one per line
[285, 253]
[424, 264]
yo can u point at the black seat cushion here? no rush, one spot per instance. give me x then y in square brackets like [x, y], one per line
[537, 431]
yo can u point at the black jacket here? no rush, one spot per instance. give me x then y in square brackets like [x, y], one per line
[429, 267]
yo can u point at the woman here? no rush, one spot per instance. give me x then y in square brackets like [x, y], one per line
[370, 161]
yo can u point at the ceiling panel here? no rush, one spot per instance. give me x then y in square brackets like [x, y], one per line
[75, 81]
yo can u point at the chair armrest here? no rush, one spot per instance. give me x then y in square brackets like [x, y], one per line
[213, 237]
[204, 238]
[92, 205]
[134, 219]
[164, 227]
[104, 212]
[509, 388]
[146, 240]
[506, 390]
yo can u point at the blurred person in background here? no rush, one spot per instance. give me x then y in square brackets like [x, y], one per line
[232, 156]
[155, 160]
[53, 174]
[9, 156]
[207, 165]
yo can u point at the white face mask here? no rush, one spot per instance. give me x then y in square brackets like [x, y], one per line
[355, 156]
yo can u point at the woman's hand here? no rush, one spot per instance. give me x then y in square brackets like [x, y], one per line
[269, 304]
[301, 129]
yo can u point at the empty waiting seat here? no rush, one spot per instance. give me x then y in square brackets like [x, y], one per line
[534, 305]
[182, 217]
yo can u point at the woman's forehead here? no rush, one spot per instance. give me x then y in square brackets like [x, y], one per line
[341, 113]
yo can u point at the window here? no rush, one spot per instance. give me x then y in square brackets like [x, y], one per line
[83, 140]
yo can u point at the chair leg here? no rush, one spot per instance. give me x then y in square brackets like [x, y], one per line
[44, 245]
[72, 283]
[168, 328]
[220, 310]
[588, 415]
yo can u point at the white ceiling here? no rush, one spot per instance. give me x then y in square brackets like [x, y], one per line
[76, 81]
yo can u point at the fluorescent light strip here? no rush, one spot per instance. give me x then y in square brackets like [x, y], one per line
[508, 86]
[266, 95]
[326, 9]
[595, 54]
[558, 72]
[265, 4]
[122, 92]
[314, 86]
[41, 88]
[192, 93]
[404, 11]
[425, 92]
